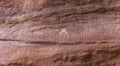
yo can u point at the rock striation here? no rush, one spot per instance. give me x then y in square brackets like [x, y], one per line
[59, 33]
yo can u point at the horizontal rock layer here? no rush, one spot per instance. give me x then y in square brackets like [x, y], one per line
[26, 54]
[60, 20]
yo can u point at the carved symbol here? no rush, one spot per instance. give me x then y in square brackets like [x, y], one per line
[63, 33]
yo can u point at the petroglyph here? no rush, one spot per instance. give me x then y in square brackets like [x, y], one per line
[63, 34]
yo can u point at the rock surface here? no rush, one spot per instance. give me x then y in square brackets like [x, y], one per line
[60, 21]
[26, 54]
[59, 33]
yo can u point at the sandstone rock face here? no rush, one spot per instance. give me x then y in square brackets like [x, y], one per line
[59, 33]
[60, 21]
[25, 54]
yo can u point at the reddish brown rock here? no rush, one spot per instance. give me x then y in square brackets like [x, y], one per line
[60, 21]
[26, 54]
[59, 32]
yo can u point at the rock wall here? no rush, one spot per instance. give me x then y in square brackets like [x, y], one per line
[59, 33]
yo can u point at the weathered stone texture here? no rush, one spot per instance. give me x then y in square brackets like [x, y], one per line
[59, 32]
[60, 21]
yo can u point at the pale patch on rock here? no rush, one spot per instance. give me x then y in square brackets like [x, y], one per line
[63, 34]
[28, 6]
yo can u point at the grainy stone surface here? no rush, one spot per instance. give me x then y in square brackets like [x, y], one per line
[26, 54]
[59, 32]
[60, 20]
